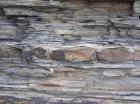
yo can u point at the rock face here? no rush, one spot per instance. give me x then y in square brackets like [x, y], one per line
[69, 51]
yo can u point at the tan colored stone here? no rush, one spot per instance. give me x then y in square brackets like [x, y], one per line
[137, 54]
[77, 54]
[113, 55]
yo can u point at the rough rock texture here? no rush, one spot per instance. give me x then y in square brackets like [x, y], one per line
[75, 54]
[113, 54]
[69, 52]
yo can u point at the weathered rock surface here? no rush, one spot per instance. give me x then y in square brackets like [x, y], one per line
[8, 50]
[113, 54]
[76, 54]
[69, 52]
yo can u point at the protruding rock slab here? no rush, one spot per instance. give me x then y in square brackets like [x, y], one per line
[113, 73]
[19, 12]
[136, 7]
[137, 54]
[119, 54]
[77, 54]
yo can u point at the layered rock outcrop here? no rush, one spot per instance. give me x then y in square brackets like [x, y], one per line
[69, 51]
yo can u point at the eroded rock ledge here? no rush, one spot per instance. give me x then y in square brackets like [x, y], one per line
[69, 51]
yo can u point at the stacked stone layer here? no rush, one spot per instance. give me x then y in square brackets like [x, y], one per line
[69, 51]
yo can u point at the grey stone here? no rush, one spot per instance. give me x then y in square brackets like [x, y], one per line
[32, 31]
[136, 7]
[113, 73]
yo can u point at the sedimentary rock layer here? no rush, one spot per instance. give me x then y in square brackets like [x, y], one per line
[69, 51]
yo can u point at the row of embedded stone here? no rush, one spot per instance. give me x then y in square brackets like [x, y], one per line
[107, 54]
